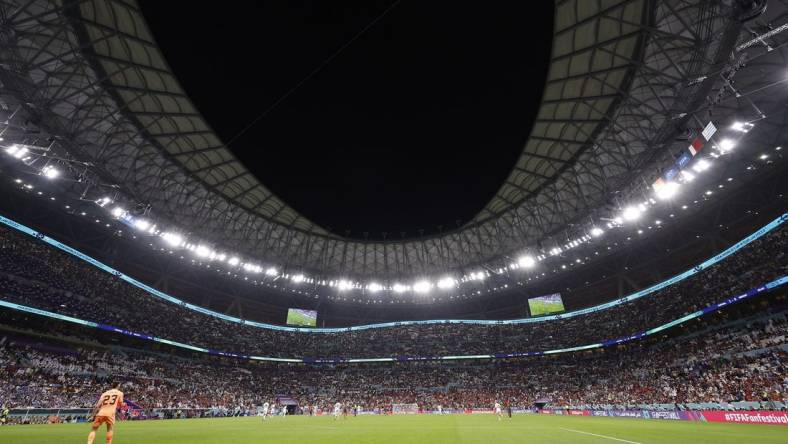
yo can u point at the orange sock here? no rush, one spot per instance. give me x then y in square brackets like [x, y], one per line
[109, 437]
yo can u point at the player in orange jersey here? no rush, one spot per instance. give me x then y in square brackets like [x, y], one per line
[104, 412]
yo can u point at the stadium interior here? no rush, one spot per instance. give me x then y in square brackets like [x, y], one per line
[630, 270]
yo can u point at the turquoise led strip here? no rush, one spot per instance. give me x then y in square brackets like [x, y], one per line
[639, 294]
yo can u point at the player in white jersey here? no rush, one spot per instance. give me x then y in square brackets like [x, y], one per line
[440, 409]
[337, 410]
[498, 409]
[265, 411]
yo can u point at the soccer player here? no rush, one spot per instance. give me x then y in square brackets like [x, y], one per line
[104, 412]
[440, 409]
[265, 410]
[498, 409]
[337, 410]
[508, 405]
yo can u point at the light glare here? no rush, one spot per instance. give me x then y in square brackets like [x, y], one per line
[399, 288]
[174, 239]
[701, 165]
[203, 251]
[141, 224]
[726, 145]
[631, 213]
[374, 287]
[16, 151]
[668, 190]
[742, 127]
[446, 283]
[422, 287]
[526, 261]
[50, 172]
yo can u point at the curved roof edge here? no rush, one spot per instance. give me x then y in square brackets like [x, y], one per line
[619, 74]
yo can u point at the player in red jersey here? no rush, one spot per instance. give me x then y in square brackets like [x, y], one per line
[104, 412]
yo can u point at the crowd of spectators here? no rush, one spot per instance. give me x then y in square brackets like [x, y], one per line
[744, 361]
[34, 274]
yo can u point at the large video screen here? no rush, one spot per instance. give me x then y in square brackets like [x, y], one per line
[304, 318]
[551, 303]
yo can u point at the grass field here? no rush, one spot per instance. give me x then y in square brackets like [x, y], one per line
[464, 429]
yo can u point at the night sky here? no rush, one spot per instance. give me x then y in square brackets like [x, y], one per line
[415, 124]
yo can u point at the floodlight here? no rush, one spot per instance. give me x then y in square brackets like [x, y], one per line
[446, 283]
[726, 145]
[701, 165]
[252, 268]
[202, 251]
[526, 261]
[667, 190]
[764, 156]
[477, 276]
[344, 284]
[631, 213]
[374, 287]
[141, 224]
[271, 271]
[687, 176]
[422, 287]
[50, 172]
[399, 288]
[233, 261]
[118, 212]
[174, 239]
[104, 201]
[742, 127]
[298, 278]
[596, 232]
[16, 151]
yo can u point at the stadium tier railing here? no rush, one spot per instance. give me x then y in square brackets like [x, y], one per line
[609, 343]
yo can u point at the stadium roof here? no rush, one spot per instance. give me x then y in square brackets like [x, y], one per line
[623, 74]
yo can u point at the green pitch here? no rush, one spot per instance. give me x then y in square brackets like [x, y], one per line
[449, 429]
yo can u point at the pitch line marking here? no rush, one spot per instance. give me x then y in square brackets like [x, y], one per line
[601, 436]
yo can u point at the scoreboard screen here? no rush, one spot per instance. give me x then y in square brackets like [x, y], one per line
[300, 317]
[551, 303]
